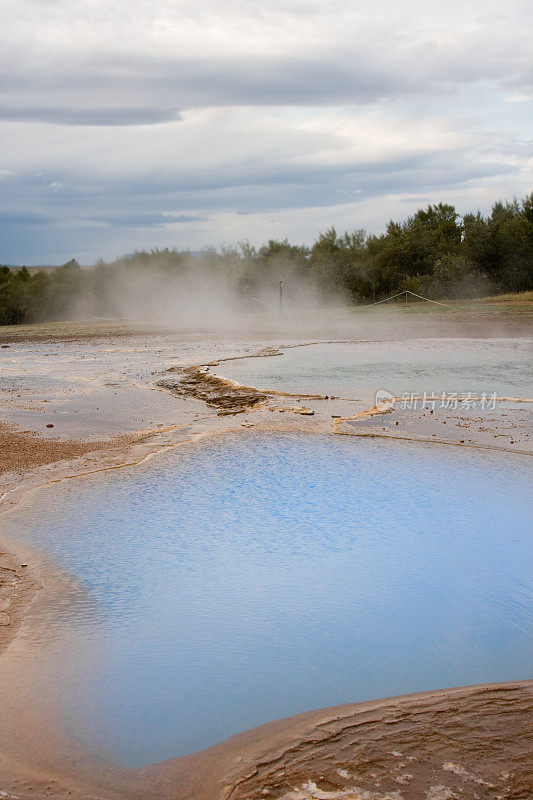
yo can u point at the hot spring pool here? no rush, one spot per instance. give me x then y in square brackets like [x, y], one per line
[503, 366]
[254, 577]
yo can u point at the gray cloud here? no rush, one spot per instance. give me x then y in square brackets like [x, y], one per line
[69, 115]
[280, 108]
[284, 179]
[251, 186]
[523, 79]
[140, 90]
[23, 218]
[150, 220]
[147, 91]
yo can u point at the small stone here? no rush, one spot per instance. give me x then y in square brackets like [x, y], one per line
[50, 425]
[5, 619]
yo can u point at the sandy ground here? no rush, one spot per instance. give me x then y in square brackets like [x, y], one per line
[76, 399]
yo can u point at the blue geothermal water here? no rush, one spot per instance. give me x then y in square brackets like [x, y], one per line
[359, 369]
[254, 577]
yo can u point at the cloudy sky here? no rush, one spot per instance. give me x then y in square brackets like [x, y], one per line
[182, 123]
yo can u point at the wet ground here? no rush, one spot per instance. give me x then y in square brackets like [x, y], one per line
[90, 390]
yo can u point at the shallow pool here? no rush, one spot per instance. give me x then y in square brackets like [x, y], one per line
[359, 369]
[252, 578]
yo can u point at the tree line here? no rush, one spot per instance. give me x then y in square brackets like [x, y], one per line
[435, 253]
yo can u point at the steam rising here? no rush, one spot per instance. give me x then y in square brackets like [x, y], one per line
[219, 294]
[209, 292]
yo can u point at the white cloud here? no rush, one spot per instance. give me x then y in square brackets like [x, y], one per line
[138, 110]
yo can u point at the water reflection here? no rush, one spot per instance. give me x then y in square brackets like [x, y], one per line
[253, 578]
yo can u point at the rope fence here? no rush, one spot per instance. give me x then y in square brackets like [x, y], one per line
[406, 292]
[256, 300]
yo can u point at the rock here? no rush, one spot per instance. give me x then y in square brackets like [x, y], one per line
[50, 425]
[5, 619]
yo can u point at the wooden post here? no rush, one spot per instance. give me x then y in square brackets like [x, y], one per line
[281, 297]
